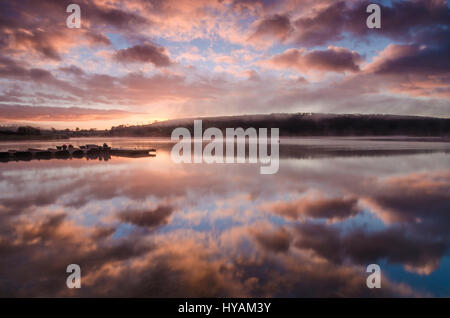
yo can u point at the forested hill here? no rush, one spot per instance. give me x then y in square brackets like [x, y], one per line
[305, 124]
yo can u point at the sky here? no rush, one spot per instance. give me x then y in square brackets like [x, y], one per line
[134, 62]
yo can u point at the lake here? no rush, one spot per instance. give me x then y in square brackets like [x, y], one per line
[148, 227]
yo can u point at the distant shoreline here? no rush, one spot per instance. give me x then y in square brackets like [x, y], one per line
[297, 125]
[32, 138]
[367, 138]
[303, 125]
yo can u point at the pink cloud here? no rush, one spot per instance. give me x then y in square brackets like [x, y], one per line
[144, 53]
[45, 113]
[333, 59]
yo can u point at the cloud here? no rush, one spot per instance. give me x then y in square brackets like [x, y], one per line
[114, 16]
[403, 198]
[38, 40]
[411, 59]
[278, 240]
[324, 26]
[312, 206]
[417, 254]
[142, 264]
[144, 53]
[150, 219]
[333, 59]
[52, 224]
[26, 32]
[97, 38]
[341, 19]
[415, 69]
[10, 68]
[41, 54]
[276, 27]
[46, 113]
[72, 69]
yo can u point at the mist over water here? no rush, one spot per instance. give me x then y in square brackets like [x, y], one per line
[148, 227]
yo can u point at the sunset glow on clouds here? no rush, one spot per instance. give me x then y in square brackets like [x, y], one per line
[139, 61]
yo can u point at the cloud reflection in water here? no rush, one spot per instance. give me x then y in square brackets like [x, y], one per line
[147, 227]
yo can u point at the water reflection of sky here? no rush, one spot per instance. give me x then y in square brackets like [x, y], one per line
[148, 227]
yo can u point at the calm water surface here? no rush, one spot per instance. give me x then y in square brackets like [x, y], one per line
[151, 228]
